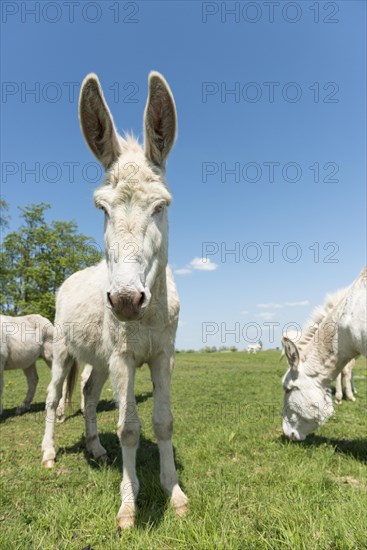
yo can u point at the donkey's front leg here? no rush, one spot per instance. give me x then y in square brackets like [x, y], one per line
[83, 380]
[122, 371]
[161, 369]
[61, 365]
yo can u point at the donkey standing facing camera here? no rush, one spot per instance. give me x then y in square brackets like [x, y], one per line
[124, 311]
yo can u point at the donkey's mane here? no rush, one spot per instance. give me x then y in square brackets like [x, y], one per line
[133, 175]
[318, 315]
[131, 143]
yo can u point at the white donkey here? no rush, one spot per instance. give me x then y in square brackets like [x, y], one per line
[254, 348]
[124, 312]
[340, 337]
[345, 379]
[24, 340]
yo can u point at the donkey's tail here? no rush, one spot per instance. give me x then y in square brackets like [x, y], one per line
[70, 381]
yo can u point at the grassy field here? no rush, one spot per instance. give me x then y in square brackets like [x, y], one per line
[248, 487]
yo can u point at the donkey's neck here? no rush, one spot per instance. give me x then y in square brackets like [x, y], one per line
[325, 358]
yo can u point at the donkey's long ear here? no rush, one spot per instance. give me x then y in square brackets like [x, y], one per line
[291, 352]
[160, 121]
[96, 122]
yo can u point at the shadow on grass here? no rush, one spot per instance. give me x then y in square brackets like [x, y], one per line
[106, 406]
[9, 413]
[152, 501]
[357, 448]
[73, 409]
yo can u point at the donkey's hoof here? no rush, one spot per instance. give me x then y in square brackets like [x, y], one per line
[182, 510]
[103, 459]
[337, 402]
[50, 463]
[125, 522]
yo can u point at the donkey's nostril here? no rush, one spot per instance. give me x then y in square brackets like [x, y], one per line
[109, 299]
[138, 299]
[127, 305]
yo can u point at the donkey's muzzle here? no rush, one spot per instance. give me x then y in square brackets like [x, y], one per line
[127, 307]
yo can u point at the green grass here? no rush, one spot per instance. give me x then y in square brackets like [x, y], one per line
[248, 487]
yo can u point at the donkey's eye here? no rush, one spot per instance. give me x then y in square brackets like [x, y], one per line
[104, 208]
[159, 208]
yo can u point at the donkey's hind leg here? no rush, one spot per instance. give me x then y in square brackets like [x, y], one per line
[338, 390]
[348, 383]
[61, 365]
[32, 381]
[63, 403]
[92, 391]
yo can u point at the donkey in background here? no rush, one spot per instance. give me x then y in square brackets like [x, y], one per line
[130, 299]
[24, 340]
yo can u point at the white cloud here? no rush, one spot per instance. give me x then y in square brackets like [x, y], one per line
[296, 304]
[199, 264]
[203, 264]
[266, 315]
[271, 305]
[183, 271]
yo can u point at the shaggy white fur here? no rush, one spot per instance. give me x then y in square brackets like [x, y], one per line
[124, 311]
[337, 334]
[23, 340]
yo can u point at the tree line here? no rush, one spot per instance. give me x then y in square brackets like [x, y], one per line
[37, 258]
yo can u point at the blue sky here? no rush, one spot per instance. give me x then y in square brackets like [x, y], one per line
[292, 132]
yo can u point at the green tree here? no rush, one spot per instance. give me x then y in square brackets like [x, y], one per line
[36, 259]
[4, 216]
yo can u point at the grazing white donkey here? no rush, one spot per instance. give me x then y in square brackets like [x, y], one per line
[345, 379]
[24, 340]
[124, 312]
[340, 337]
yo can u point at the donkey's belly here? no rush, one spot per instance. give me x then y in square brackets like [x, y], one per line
[21, 355]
